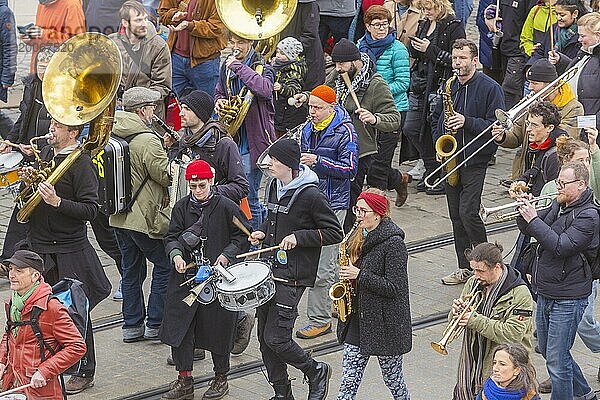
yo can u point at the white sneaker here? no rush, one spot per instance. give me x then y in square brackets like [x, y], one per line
[459, 276]
[418, 170]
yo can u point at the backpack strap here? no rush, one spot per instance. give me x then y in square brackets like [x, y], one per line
[277, 208]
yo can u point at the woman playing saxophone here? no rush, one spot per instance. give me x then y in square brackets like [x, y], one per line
[379, 324]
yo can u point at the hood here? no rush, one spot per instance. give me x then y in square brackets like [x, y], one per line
[386, 229]
[513, 279]
[3, 2]
[127, 124]
[305, 176]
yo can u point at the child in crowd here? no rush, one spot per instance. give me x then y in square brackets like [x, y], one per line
[290, 71]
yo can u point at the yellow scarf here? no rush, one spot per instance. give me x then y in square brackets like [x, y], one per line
[565, 95]
[325, 123]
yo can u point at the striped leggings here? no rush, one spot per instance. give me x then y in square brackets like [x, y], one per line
[354, 364]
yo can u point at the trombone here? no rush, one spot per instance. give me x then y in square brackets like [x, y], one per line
[472, 301]
[486, 212]
[506, 119]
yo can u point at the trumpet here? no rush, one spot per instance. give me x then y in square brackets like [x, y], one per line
[486, 212]
[506, 119]
[472, 301]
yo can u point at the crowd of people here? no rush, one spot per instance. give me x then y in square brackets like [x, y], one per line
[206, 113]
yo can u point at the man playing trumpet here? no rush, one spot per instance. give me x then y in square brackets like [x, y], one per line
[503, 316]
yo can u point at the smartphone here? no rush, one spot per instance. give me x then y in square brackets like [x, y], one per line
[23, 28]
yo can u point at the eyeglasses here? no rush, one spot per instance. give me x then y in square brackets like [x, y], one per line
[561, 185]
[380, 25]
[194, 186]
[360, 211]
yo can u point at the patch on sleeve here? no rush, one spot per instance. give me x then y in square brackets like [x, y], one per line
[522, 313]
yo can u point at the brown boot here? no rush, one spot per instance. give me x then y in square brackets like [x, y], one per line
[402, 189]
[218, 388]
[180, 389]
[546, 386]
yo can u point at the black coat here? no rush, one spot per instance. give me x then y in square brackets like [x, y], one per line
[382, 293]
[313, 223]
[304, 26]
[34, 119]
[568, 236]
[434, 66]
[214, 325]
[213, 145]
[542, 165]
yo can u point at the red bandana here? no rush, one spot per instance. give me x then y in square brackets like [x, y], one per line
[377, 202]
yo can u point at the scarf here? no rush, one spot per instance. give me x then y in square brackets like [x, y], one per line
[491, 391]
[325, 123]
[361, 80]
[18, 303]
[544, 146]
[564, 96]
[564, 36]
[474, 348]
[375, 48]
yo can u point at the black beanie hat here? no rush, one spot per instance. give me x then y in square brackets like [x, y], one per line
[201, 103]
[345, 50]
[542, 71]
[287, 152]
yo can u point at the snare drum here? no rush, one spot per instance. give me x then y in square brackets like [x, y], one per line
[9, 167]
[253, 286]
[14, 396]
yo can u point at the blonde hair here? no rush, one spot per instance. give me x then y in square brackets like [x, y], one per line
[442, 7]
[355, 243]
[590, 21]
[566, 146]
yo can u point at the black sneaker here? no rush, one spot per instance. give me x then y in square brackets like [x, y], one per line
[283, 391]
[318, 385]
[180, 389]
[218, 388]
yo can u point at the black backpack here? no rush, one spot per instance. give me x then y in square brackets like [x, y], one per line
[71, 294]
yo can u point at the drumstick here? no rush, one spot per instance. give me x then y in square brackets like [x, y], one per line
[17, 389]
[551, 30]
[239, 224]
[346, 79]
[9, 143]
[252, 253]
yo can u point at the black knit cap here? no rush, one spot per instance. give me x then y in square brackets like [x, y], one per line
[542, 71]
[345, 50]
[287, 152]
[201, 103]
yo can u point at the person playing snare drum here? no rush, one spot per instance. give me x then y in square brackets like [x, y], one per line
[201, 222]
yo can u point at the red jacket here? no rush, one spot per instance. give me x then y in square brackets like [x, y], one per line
[23, 357]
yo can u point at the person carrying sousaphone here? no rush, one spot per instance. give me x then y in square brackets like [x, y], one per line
[206, 326]
[503, 316]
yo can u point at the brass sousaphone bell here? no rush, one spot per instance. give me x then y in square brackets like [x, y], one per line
[79, 86]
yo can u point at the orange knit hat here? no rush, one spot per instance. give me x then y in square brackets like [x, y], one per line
[325, 93]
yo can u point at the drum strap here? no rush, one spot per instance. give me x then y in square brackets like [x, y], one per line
[277, 208]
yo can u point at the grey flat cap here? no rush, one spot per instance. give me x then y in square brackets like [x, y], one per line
[138, 97]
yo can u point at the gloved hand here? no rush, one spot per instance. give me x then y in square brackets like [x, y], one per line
[204, 272]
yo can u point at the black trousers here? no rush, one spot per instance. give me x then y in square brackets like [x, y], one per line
[183, 356]
[356, 186]
[15, 232]
[464, 202]
[381, 174]
[275, 324]
[417, 129]
[333, 26]
[105, 236]
[6, 125]
[514, 79]
[88, 361]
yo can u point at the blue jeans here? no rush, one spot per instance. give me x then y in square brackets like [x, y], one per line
[556, 322]
[589, 328]
[135, 248]
[203, 76]
[254, 176]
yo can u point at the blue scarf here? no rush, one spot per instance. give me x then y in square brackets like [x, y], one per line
[375, 48]
[491, 391]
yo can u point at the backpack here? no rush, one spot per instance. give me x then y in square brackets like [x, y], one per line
[71, 294]
[594, 265]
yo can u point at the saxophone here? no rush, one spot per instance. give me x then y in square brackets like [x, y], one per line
[446, 144]
[342, 292]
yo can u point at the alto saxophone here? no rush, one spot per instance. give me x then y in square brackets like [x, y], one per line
[446, 145]
[342, 292]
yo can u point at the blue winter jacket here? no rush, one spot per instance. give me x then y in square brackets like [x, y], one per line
[337, 157]
[485, 36]
[8, 48]
[394, 66]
